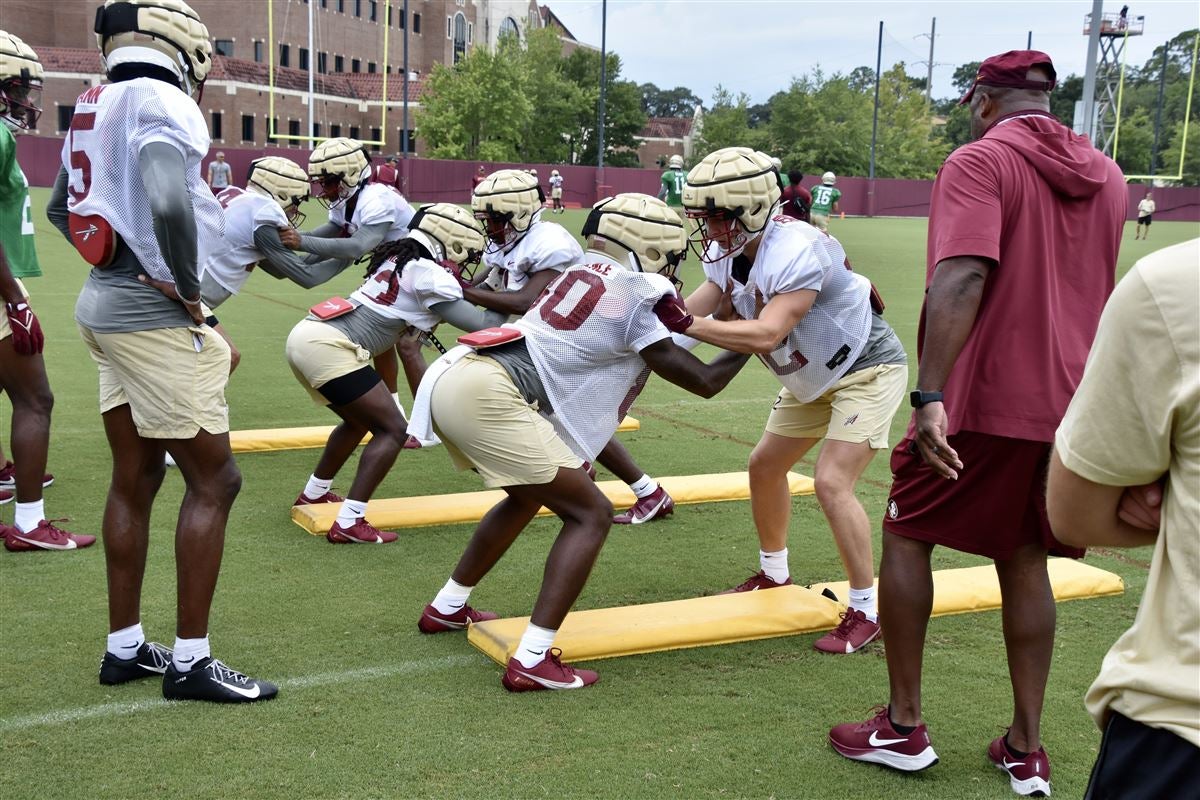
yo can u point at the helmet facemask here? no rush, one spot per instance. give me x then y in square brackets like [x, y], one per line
[21, 102]
[720, 227]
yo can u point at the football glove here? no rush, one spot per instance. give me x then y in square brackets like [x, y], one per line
[671, 311]
[26, 330]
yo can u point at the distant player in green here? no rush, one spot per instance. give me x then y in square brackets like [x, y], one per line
[672, 182]
[824, 201]
[22, 371]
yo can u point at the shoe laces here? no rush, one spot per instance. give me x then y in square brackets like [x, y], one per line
[754, 580]
[55, 531]
[225, 673]
[879, 717]
[850, 621]
[160, 655]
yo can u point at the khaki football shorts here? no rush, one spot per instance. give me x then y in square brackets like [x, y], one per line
[819, 221]
[858, 408]
[485, 423]
[173, 379]
[319, 353]
[5, 328]
[556, 194]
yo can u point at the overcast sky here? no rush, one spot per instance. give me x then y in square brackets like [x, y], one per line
[756, 46]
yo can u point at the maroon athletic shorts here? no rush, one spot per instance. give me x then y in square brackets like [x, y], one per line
[997, 505]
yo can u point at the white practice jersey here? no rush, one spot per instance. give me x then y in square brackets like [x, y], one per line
[547, 245]
[409, 296]
[584, 335]
[376, 203]
[556, 181]
[245, 212]
[794, 255]
[112, 123]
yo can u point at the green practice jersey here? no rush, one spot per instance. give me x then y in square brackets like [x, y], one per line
[672, 181]
[16, 215]
[823, 199]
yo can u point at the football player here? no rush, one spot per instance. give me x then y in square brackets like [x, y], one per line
[556, 184]
[22, 370]
[407, 288]
[824, 201]
[672, 182]
[842, 368]
[138, 207]
[362, 215]
[524, 254]
[526, 414]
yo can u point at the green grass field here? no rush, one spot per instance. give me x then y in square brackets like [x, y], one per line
[370, 708]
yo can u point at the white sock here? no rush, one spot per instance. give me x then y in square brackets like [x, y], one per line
[644, 486]
[351, 512]
[400, 405]
[452, 597]
[316, 487]
[188, 652]
[29, 515]
[864, 600]
[775, 565]
[534, 646]
[126, 642]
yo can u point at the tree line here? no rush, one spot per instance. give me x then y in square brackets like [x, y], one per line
[527, 102]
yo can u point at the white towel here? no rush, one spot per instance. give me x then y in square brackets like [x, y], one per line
[421, 424]
[434, 442]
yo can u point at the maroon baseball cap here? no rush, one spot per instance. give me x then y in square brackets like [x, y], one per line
[1009, 70]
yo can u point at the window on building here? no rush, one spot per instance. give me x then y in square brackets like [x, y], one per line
[247, 128]
[416, 23]
[353, 131]
[293, 128]
[400, 18]
[375, 134]
[371, 67]
[460, 37]
[412, 148]
[258, 51]
[285, 55]
[509, 28]
[273, 129]
[215, 131]
[389, 16]
[303, 58]
[355, 65]
[223, 47]
[65, 115]
[324, 3]
[335, 131]
[322, 63]
[358, 8]
[317, 130]
[341, 6]
[470, 32]
[339, 63]
[374, 6]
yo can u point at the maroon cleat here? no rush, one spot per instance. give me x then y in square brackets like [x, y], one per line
[45, 537]
[589, 469]
[412, 443]
[853, 633]
[8, 477]
[549, 673]
[1029, 775]
[361, 532]
[656, 505]
[878, 742]
[328, 497]
[434, 621]
[5, 497]
[756, 582]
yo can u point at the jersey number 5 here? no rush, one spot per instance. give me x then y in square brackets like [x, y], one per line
[79, 159]
[548, 308]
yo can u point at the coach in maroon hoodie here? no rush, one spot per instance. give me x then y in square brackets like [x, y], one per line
[1024, 226]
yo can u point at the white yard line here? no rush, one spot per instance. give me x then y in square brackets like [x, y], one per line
[67, 715]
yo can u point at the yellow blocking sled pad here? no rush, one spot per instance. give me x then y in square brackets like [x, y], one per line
[786, 611]
[445, 509]
[673, 625]
[263, 440]
[959, 591]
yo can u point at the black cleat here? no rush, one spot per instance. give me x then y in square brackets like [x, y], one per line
[213, 681]
[151, 659]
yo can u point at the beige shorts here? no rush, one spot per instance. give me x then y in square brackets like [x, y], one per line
[485, 423]
[173, 379]
[858, 408]
[5, 328]
[319, 352]
[556, 194]
[819, 221]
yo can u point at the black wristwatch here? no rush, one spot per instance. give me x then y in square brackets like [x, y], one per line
[918, 398]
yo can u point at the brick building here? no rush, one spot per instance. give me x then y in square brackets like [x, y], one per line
[663, 137]
[349, 60]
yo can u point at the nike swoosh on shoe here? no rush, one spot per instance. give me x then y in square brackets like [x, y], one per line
[249, 694]
[70, 545]
[875, 741]
[649, 514]
[575, 682]
[448, 623]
